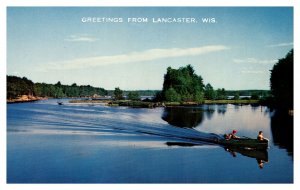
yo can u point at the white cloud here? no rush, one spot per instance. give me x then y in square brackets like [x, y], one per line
[147, 55]
[81, 38]
[256, 61]
[281, 45]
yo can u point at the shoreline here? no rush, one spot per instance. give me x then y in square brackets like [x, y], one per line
[24, 99]
[144, 104]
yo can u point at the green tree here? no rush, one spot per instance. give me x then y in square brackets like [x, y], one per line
[254, 96]
[58, 84]
[133, 96]
[172, 96]
[199, 97]
[118, 94]
[38, 90]
[17, 86]
[58, 93]
[158, 96]
[182, 84]
[209, 92]
[221, 94]
[236, 96]
[282, 81]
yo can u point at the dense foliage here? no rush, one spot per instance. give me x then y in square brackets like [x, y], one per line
[252, 93]
[134, 95]
[17, 86]
[209, 92]
[59, 90]
[118, 94]
[221, 94]
[140, 92]
[236, 96]
[182, 85]
[282, 83]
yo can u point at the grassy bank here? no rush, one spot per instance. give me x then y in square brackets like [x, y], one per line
[127, 103]
[231, 101]
[142, 104]
[133, 104]
[212, 102]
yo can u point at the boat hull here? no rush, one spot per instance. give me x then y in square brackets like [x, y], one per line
[252, 153]
[245, 143]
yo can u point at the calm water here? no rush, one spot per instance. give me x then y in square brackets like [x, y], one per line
[73, 143]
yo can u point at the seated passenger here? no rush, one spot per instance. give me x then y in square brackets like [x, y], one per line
[231, 135]
[260, 137]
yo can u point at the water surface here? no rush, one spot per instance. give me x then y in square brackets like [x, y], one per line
[76, 143]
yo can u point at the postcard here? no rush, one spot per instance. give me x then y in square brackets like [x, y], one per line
[150, 95]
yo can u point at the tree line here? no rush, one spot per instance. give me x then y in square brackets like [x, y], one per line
[139, 92]
[180, 85]
[17, 86]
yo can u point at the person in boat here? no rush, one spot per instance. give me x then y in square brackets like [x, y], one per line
[231, 135]
[261, 137]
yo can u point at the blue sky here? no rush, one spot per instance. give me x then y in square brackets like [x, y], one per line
[237, 52]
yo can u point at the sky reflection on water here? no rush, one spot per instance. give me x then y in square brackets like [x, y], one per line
[98, 144]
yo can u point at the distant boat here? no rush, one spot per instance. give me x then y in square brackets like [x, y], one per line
[59, 103]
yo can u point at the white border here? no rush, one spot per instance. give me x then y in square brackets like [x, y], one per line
[216, 3]
[148, 3]
[3, 95]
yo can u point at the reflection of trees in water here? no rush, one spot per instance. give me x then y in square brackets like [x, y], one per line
[209, 110]
[254, 107]
[191, 116]
[282, 131]
[183, 116]
[236, 106]
[209, 113]
[222, 109]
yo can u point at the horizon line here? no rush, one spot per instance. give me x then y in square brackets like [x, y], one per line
[120, 88]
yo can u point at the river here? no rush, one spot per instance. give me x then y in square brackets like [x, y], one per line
[91, 143]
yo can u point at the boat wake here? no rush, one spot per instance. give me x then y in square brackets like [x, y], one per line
[101, 120]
